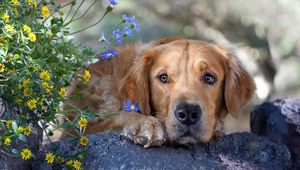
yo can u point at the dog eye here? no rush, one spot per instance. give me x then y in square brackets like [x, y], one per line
[209, 79]
[164, 78]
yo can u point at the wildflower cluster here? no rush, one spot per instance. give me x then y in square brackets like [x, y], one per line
[37, 62]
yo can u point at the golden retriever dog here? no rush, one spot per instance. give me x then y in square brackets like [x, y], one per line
[183, 89]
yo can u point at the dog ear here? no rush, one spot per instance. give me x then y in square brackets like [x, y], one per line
[135, 85]
[239, 85]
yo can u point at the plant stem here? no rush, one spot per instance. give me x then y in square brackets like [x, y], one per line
[90, 25]
[85, 11]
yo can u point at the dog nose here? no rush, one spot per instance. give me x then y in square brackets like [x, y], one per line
[188, 114]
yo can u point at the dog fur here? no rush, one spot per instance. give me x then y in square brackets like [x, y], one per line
[199, 74]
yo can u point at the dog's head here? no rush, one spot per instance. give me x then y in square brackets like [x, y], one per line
[189, 85]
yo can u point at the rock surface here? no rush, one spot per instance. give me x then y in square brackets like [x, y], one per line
[235, 151]
[280, 122]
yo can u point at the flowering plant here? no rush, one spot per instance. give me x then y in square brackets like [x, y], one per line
[38, 61]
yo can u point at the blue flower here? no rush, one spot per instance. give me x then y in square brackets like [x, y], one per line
[113, 2]
[124, 18]
[108, 54]
[103, 38]
[117, 34]
[128, 32]
[131, 107]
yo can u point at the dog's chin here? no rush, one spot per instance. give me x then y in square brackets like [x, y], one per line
[186, 138]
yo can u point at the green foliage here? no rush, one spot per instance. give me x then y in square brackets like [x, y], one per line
[37, 62]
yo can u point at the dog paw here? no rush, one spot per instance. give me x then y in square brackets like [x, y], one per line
[147, 132]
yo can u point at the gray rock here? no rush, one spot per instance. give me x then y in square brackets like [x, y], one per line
[236, 151]
[279, 121]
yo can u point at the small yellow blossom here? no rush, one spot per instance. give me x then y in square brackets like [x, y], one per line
[50, 158]
[60, 159]
[20, 129]
[69, 162]
[26, 131]
[62, 91]
[32, 103]
[45, 11]
[7, 141]
[15, 2]
[2, 68]
[19, 101]
[77, 165]
[8, 123]
[44, 75]
[26, 82]
[36, 68]
[26, 29]
[41, 103]
[82, 122]
[84, 141]
[10, 28]
[5, 17]
[26, 154]
[12, 72]
[87, 75]
[30, 2]
[32, 37]
[47, 87]
[26, 93]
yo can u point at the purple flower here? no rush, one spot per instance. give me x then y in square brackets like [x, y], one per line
[117, 34]
[131, 21]
[128, 32]
[131, 107]
[113, 2]
[103, 38]
[108, 54]
[124, 17]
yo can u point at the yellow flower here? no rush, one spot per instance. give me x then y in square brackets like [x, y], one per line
[15, 2]
[32, 37]
[47, 87]
[26, 93]
[50, 158]
[10, 28]
[7, 141]
[44, 75]
[32, 103]
[84, 141]
[26, 131]
[20, 129]
[77, 165]
[19, 101]
[26, 29]
[26, 82]
[87, 75]
[82, 122]
[2, 67]
[12, 72]
[8, 123]
[5, 17]
[36, 68]
[62, 92]
[60, 160]
[26, 154]
[45, 11]
[69, 162]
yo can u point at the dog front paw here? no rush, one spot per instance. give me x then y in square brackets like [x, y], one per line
[147, 131]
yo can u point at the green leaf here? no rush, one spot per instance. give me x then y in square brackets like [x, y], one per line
[22, 138]
[14, 151]
[14, 126]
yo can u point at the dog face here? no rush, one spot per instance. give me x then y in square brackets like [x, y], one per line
[189, 86]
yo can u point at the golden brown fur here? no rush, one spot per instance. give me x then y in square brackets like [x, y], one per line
[135, 75]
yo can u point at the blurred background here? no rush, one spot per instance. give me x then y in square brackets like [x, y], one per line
[265, 33]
